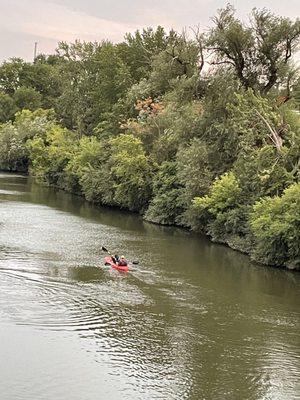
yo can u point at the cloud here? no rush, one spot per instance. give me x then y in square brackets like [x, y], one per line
[22, 22]
[54, 21]
[27, 21]
[178, 12]
[129, 11]
[18, 44]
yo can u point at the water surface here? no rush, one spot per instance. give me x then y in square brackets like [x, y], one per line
[193, 320]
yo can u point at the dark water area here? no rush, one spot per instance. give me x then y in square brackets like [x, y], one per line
[193, 320]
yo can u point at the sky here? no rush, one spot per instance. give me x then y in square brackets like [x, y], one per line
[24, 22]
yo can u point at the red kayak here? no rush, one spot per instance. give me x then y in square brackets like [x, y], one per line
[109, 261]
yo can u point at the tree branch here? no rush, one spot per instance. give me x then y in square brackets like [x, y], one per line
[274, 136]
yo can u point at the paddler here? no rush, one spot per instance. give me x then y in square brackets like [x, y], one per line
[122, 261]
[115, 258]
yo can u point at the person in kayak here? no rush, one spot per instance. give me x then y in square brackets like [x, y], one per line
[115, 258]
[122, 261]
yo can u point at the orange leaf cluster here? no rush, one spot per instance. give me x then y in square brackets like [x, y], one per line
[149, 107]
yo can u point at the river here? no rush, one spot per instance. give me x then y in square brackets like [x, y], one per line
[193, 320]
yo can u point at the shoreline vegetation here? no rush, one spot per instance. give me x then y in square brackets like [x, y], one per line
[198, 130]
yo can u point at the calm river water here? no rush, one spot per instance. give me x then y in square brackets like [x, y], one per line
[192, 321]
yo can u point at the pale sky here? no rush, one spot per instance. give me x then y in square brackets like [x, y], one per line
[23, 22]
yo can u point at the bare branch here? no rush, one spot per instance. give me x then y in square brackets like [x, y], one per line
[274, 135]
[221, 62]
[199, 40]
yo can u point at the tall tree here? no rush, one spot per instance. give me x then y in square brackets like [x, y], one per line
[259, 53]
[95, 77]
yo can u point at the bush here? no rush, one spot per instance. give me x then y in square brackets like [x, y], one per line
[131, 172]
[13, 153]
[275, 222]
[165, 207]
[49, 156]
[212, 213]
[7, 107]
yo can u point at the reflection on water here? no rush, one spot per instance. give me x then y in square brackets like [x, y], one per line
[192, 321]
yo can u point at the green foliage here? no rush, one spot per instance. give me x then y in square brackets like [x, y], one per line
[33, 85]
[94, 77]
[13, 151]
[11, 75]
[223, 195]
[13, 154]
[215, 213]
[7, 107]
[185, 89]
[89, 171]
[194, 169]
[163, 72]
[268, 145]
[31, 124]
[262, 172]
[296, 94]
[275, 222]
[165, 206]
[49, 156]
[97, 185]
[139, 49]
[259, 54]
[132, 172]
[163, 132]
[45, 77]
[142, 125]
[27, 98]
[251, 117]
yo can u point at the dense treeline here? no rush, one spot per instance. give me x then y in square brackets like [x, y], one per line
[202, 131]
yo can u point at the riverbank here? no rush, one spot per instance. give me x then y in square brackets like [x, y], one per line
[235, 243]
[213, 150]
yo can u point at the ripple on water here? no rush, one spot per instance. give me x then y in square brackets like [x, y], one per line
[10, 192]
[163, 331]
[92, 311]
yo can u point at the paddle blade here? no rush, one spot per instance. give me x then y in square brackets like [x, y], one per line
[104, 249]
[135, 262]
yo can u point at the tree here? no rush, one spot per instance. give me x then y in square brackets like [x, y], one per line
[13, 153]
[223, 195]
[267, 143]
[194, 170]
[88, 172]
[138, 50]
[165, 206]
[95, 78]
[45, 77]
[27, 98]
[215, 213]
[50, 156]
[275, 224]
[7, 107]
[131, 172]
[11, 75]
[296, 94]
[260, 53]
